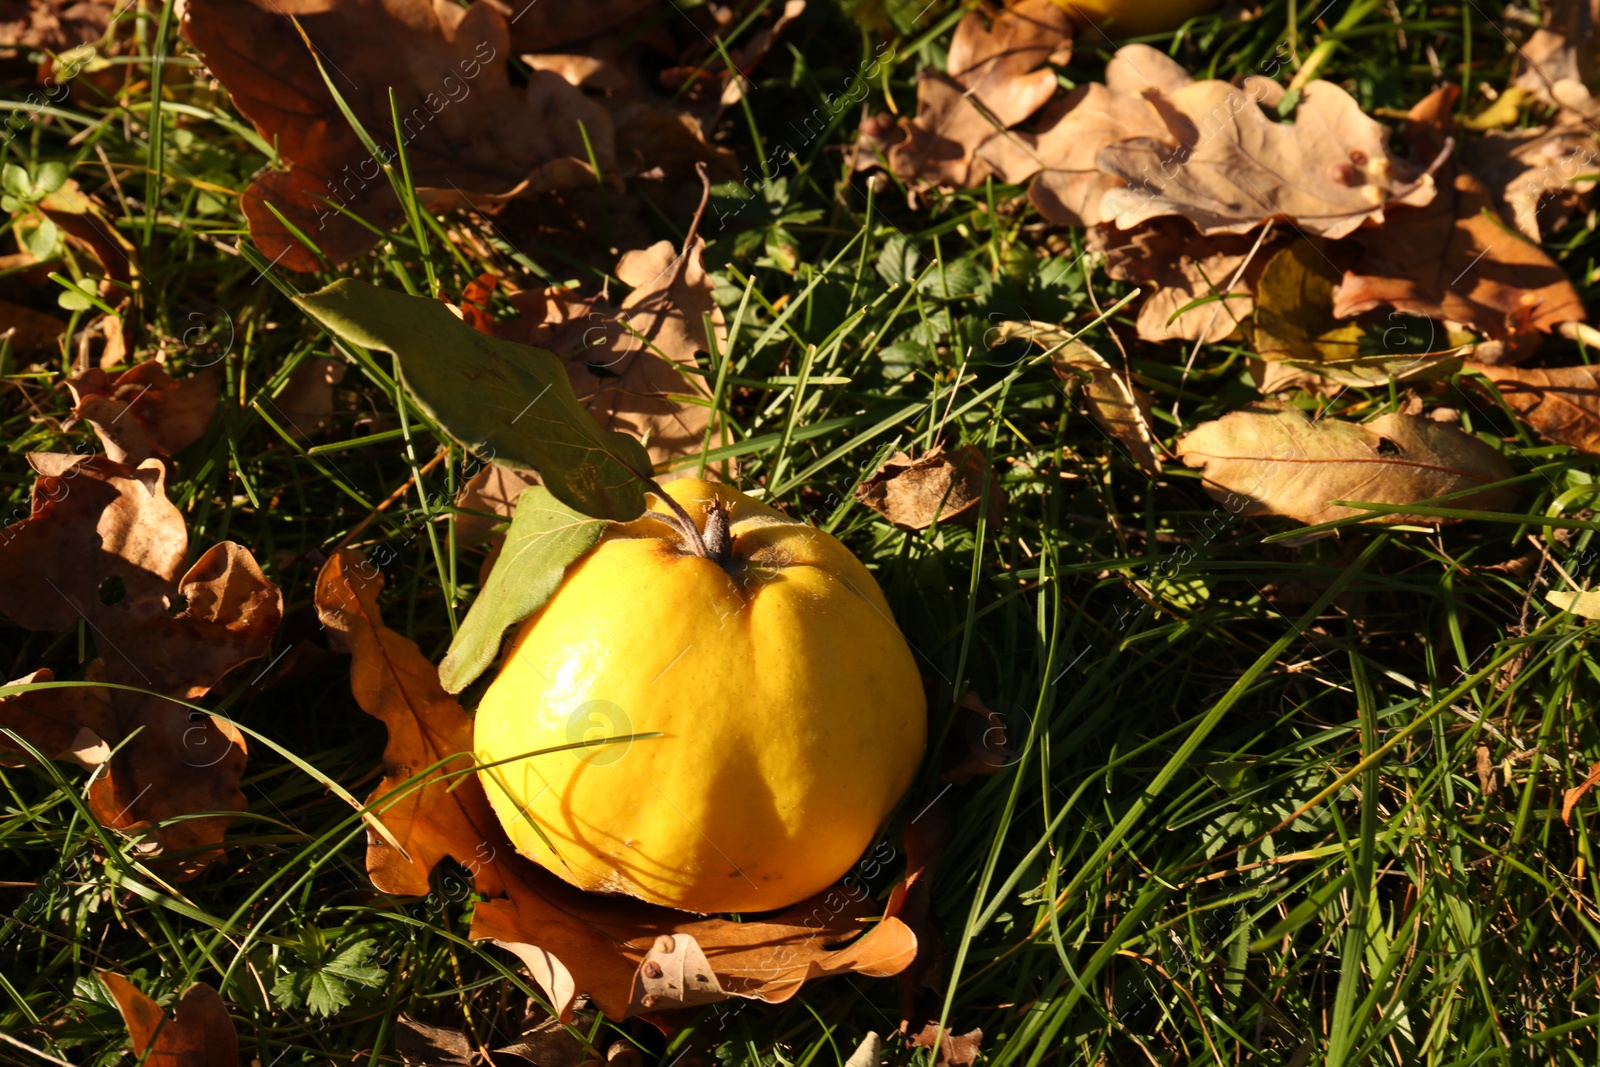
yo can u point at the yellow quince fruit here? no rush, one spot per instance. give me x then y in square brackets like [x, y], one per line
[789, 711]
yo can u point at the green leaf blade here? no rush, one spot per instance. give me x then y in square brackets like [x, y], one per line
[504, 401]
[544, 539]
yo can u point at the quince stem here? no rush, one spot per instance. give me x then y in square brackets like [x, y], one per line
[682, 520]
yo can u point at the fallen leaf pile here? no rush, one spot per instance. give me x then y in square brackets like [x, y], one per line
[104, 547]
[588, 115]
[628, 957]
[1285, 223]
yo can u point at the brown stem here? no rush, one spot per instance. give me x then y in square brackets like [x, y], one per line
[681, 519]
[718, 538]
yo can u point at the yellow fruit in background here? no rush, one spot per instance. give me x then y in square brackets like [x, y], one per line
[791, 712]
[1135, 18]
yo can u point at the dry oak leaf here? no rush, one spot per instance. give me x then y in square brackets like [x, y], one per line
[635, 366]
[196, 1033]
[1235, 167]
[1186, 266]
[471, 138]
[1121, 409]
[93, 521]
[53, 25]
[1071, 188]
[144, 411]
[658, 133]
[1455, 259]
[1280, 462]
[426, 1045]
[1532, 173]
[960, 134]
[944, 486]
[572, 942]
[1562, 404]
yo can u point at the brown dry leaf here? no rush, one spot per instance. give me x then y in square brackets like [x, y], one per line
[571, 941]
[95, 521]
[475, 302]
[53, 25]
[1122, 410]
[955, 1050]
[1557, 61]
[144, 411]
[432, 1046]
[1236, 167]
[925, 838]
[29, 330]
[1185, 266]
[939, 486]
[91, 520]
[1280, 462]
[494, 490]
[547, 27]
[675, 971]
[635, 367]
[981, 743]
[86, 225]
[547, 1043]
[394, 683]
[1530, 173]
[1562, 404]
[471, 137]
[1072, 189]
[1569, 799]
[961, 134]
[1455, 259]
[305, 403]
[196, 1033]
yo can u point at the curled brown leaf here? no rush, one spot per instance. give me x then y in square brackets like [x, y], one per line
[103, 544]
[941, 485]
[144, 411]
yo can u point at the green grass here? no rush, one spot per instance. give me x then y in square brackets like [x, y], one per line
[1244, 821]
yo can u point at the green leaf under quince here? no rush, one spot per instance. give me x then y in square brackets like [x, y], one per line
[507, 402]
[545, 538]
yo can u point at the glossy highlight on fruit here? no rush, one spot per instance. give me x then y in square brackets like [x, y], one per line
[790, 711]
[1135, 18]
